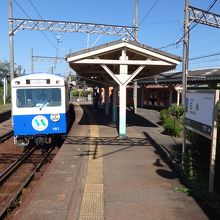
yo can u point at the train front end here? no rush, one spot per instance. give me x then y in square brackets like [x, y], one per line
[39, 108]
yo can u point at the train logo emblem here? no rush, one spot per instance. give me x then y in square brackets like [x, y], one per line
[39, 123]
[55, 117]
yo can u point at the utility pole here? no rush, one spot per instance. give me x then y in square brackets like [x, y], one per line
[11, 39]
[136, 21]
[185, 72]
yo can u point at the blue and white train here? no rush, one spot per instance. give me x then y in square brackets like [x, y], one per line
[40, 108]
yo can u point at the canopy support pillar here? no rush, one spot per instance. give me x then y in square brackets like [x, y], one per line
[122, 111]
[122, 79]
[142, 96]
[135, 97]
[114, 105]
[106, 100]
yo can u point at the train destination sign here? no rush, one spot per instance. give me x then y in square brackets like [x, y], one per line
[199, 111]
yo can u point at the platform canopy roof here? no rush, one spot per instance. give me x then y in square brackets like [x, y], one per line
[199, 76]
[90, 64]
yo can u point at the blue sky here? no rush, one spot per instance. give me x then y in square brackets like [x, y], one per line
[158, 26]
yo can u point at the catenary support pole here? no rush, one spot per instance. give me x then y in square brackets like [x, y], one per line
[136, 21]
[185, 73]
[11, 47]
[11, 40]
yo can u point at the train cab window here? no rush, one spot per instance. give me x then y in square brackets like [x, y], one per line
[38, 97]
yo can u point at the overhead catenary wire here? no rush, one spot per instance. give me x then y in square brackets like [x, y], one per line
[34, 7]
[57, 37]
[22, 9]
[181, 39]
[163, 22]
[205, 56]
[149, 11]
[204, 59]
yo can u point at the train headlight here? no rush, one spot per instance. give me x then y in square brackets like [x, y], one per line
[55, 117]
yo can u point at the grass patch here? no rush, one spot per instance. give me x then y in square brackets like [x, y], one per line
[181, 189]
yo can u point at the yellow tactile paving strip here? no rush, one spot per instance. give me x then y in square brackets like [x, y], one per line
[92, 207]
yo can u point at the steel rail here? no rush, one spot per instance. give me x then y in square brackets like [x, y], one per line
[15, 165]
[6, 206]
[4, 116]
[6, 136]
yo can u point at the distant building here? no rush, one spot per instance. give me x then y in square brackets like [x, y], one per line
[165, 89]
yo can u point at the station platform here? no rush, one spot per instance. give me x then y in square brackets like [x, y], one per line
[97, 175]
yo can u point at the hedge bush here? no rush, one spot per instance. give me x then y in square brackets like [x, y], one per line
[173, 126]
[176, 111]
[163, 115]
[81, 93]
[172, 119]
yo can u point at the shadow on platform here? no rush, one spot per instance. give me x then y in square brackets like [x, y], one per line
[102, 119]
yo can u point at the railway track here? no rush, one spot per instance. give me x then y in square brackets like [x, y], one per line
[5, 115]
[19, 175]
[6, 136]
[6, 130]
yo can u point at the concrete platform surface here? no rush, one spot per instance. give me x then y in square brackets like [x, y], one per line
[97, 175]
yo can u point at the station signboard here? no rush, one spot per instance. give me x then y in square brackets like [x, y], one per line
[201, 117]
[199, 111]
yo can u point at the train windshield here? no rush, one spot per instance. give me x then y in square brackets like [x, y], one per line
[48, 97]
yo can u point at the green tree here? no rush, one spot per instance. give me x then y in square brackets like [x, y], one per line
[4, 70]
[5, 73]
[73, 77]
